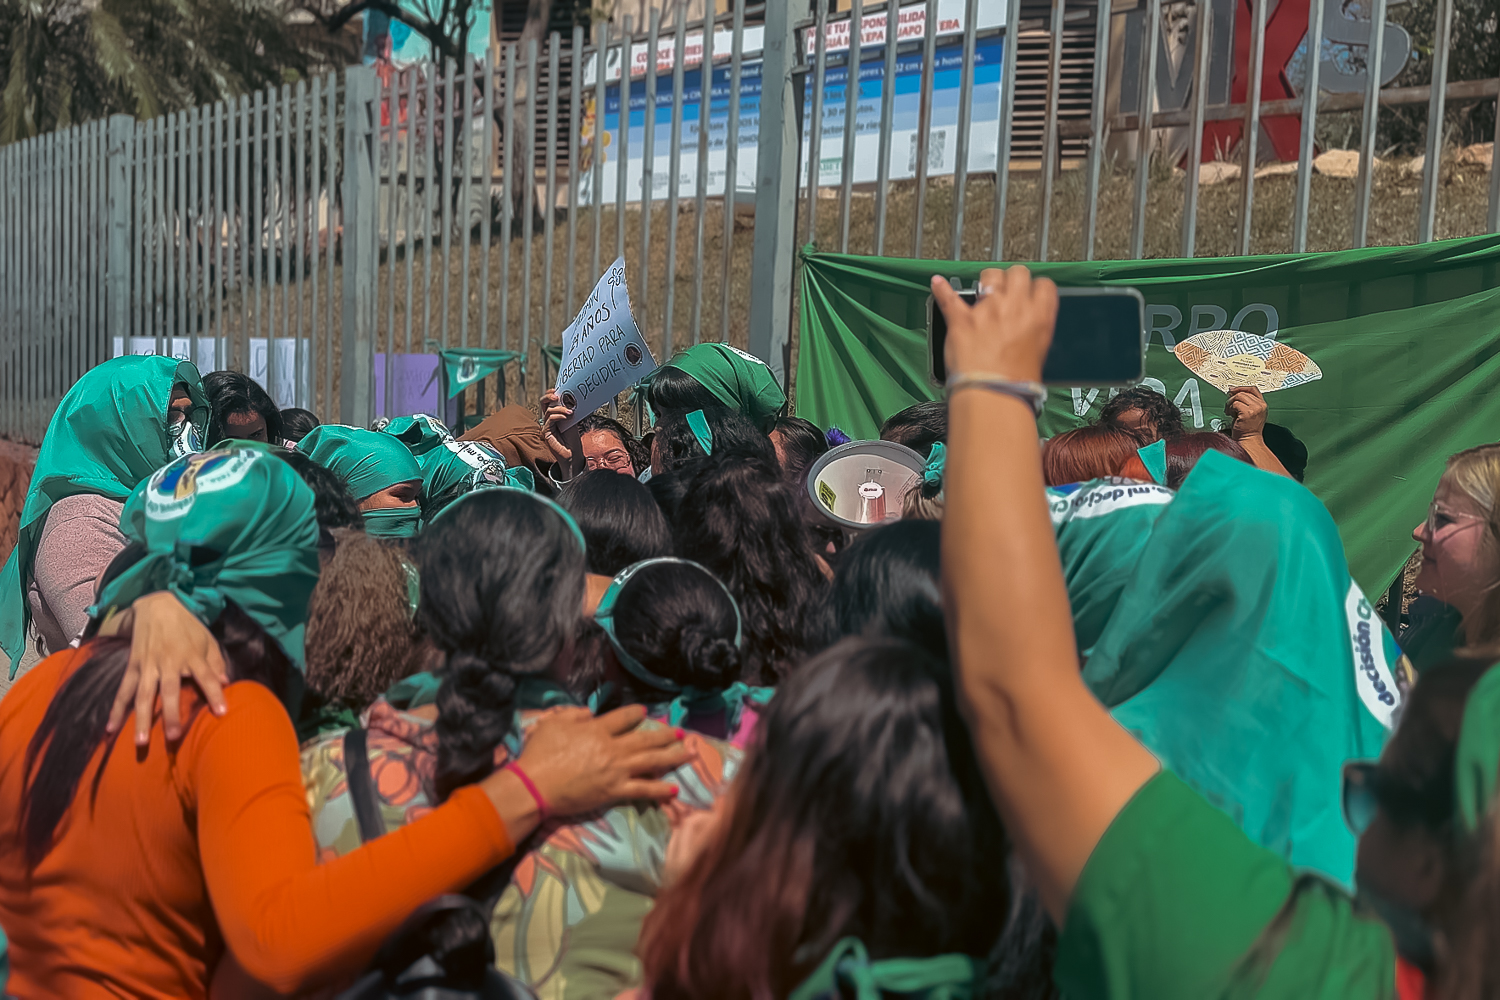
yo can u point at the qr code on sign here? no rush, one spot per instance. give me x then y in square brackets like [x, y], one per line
[937, 142]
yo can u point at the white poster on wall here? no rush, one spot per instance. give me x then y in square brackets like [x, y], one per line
[284, 392]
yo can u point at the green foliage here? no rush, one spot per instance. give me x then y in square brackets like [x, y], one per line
[1474, 54]
[69, 61]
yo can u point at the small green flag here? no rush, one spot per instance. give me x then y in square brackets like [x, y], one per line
[466, 366]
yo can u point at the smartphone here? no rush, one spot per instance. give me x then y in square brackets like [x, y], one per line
[1100, 338]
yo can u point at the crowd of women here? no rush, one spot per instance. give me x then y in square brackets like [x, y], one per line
[292, 708]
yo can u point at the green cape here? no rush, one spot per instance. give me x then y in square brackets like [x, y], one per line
[367, 461]
[1102, 527]
[1243, 655]
[1478, 755]
[109, 433]
[230, 524]
[736, 379]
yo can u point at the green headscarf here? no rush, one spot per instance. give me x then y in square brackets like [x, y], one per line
[368, 462]
[1478, 754]
[451, 468]
[1243, 656]
[738, 380]
[848, 971]
[109, 433]
[420, 432]
[234, 524]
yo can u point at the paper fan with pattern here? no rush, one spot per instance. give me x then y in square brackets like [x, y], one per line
[1226, 359]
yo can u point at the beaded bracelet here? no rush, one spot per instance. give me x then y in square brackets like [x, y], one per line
[1033, 394]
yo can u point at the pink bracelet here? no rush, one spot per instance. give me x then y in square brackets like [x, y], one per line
[541, 804]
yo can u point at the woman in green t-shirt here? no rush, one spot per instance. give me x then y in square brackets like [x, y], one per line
[1157, 893]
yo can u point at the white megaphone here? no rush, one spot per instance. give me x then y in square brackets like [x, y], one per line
[862, 484]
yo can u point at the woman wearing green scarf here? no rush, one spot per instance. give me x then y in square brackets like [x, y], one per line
[380, 471]
[452, 468]
[717, 375]
[119, 423]
[1158, 893]
[220, 820]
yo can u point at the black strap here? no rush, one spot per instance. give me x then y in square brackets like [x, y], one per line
[362, 786]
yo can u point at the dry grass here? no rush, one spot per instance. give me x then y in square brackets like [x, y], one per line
[1462, 208]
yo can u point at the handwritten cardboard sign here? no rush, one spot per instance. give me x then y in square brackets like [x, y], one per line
[604, 352]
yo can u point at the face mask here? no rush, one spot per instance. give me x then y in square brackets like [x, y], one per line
[184, 439]
[1409, 928]
[392, 522]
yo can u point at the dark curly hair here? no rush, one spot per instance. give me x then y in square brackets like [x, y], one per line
[1162, 415]
[675, 445]
[502, 591]
[640, 454]
[739, 520]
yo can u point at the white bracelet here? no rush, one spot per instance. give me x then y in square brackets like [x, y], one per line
[1033, 394]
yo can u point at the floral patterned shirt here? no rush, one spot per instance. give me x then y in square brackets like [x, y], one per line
[567, 923]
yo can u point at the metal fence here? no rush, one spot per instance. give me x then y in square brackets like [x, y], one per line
[316, 235]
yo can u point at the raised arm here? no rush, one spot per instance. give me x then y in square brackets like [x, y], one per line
[1059, 767]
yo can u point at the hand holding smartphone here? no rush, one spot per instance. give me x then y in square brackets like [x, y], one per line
[1100, 338]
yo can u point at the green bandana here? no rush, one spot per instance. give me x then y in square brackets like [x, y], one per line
[109, 433]
[848, 971]
[420, 432]
[392, 522]
[233, 524]
[466, 366]
[738, 380]
[1102, 528]
[1243, 656]
[367, 461]
[1478, 755]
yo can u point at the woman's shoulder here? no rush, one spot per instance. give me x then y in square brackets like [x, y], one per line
[587, 885]
[401, 752]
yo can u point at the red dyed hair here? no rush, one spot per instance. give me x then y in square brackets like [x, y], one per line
[1184, 450]
[1092, 452]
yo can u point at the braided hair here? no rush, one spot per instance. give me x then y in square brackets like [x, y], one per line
[502, 594]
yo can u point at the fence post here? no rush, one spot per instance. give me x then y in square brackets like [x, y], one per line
[121, 209]
[357, 370]
[776, 190]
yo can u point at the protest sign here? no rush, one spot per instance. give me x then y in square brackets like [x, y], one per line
[603, 351]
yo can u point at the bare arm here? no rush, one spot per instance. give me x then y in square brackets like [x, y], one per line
[1248, 407]
[1059, 767]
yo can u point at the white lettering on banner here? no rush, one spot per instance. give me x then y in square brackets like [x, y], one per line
[1273, 322]
[1097, 501]
[1372, 669]
[1172, 315]
[911, 23]
[1081, 403]
[1194, 408]
[1207, 318]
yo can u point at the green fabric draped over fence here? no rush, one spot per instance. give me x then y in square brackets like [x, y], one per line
[1408, 339]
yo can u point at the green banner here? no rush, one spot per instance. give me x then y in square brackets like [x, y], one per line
[1408, 339]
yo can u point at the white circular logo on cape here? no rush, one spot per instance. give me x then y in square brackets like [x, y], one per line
[174, 487]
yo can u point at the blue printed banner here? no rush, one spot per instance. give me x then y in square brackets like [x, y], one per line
[942, 133]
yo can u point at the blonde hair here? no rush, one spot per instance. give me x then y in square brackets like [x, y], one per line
[1475, 472]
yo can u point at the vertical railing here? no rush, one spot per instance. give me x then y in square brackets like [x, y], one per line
[316, 234]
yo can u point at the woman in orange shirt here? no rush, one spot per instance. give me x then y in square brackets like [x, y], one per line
[130, 870]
